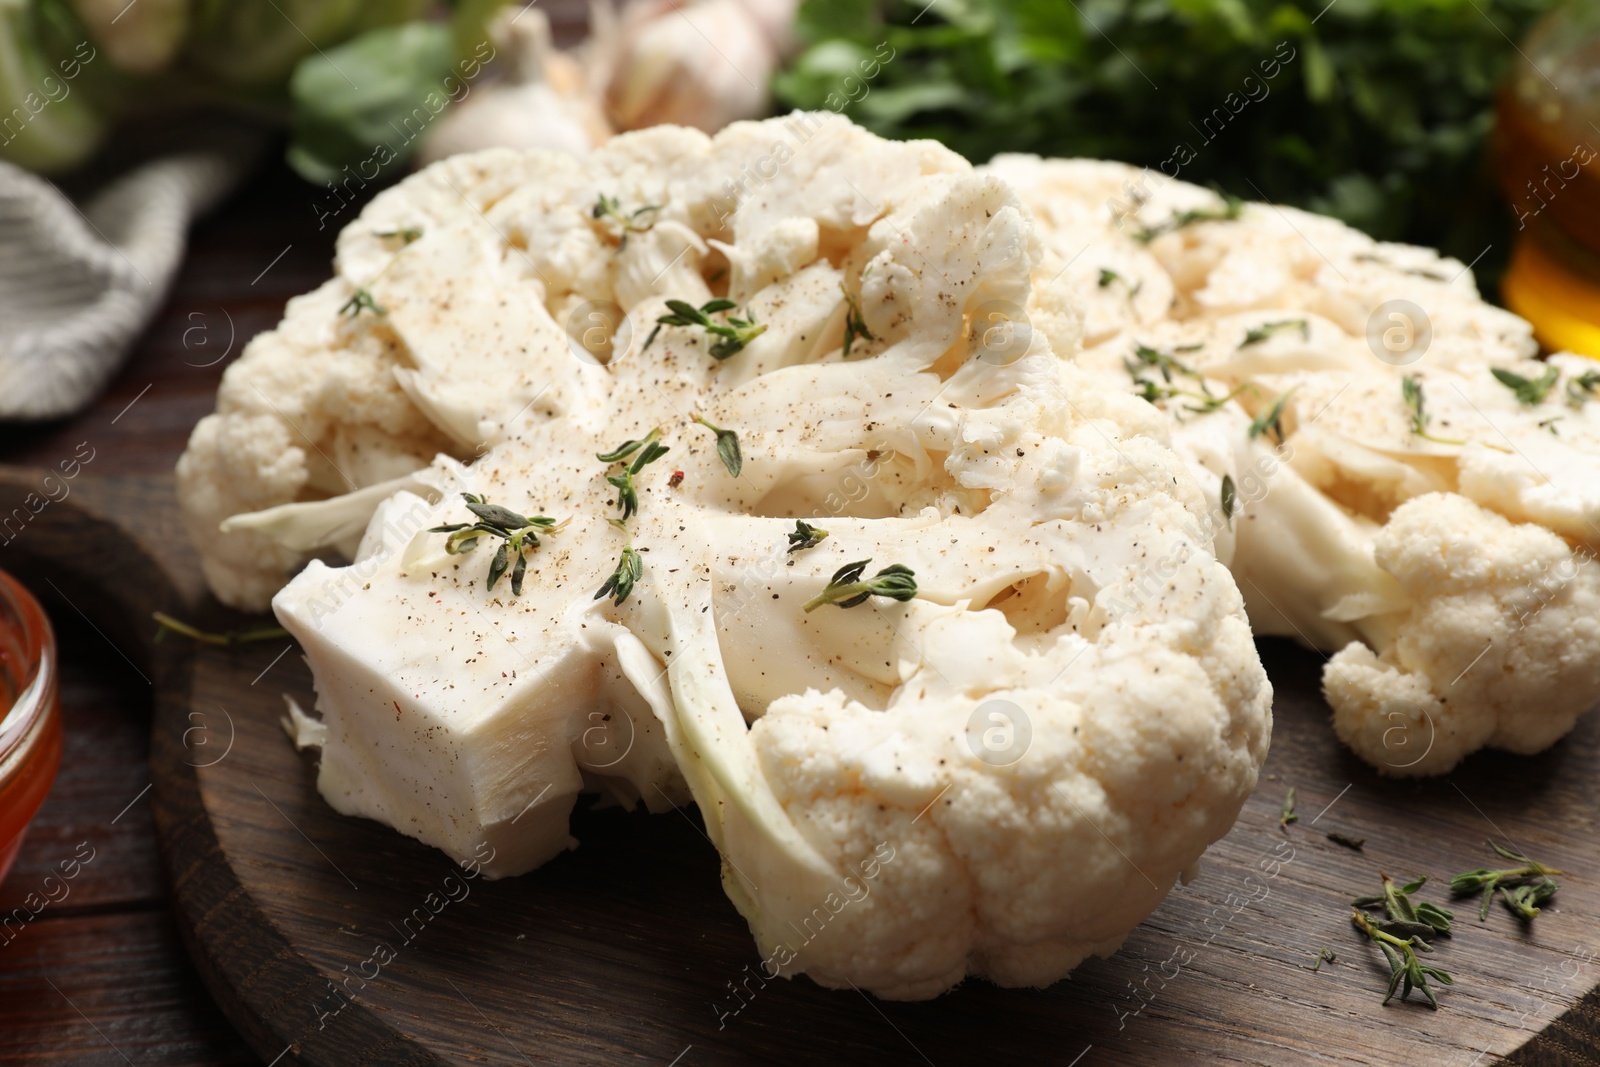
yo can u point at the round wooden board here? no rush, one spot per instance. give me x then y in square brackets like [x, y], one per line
[336, 941]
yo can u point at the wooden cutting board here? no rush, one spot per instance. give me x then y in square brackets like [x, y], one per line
[336, 941]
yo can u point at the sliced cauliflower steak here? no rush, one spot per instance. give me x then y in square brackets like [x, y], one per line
[1424, 503]
[999, 776]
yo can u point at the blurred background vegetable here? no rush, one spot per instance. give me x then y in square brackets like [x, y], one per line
[1375, 111]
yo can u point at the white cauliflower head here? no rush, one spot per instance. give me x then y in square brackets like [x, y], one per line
[997, 771]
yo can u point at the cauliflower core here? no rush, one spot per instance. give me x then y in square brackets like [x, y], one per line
[1000, 777]
[1393, 499]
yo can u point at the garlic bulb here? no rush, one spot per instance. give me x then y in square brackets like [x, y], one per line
[545, 100]
[704, 63]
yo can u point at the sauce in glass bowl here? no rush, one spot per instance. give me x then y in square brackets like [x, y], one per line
[30, 722]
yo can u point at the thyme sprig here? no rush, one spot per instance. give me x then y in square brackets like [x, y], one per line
[645, 451]
[1402, 917]
[630, 568]
[1109, 277]
[1232, 208]
[1270, 421]
[1527, 390]
[729, 336]
[805, 536]
[1324, 955]
[1582, 388]
[847, 588]
[1288, 814]
[1406, 971]
[362, 301]
[1529, 875]
[230, 639]
[519, 535]
[1147, 359]
[1411, 394]
[727, 447]
[1258, 334]
[609, 212]
[855, 324]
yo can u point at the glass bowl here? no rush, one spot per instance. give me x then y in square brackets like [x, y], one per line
[30, 722]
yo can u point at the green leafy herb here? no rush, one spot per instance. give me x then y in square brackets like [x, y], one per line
[1324, 955]
[231, 639]
[1346, 840]
[1147, 359]
[1288, 815]
[362, 301]
[1403, 918]
[728, 336]
[645, 452]
[855, 325]
[1110, 277]
[519, 535]
[1232, 208]
[1524, 900]
[1411, 394]
[1261, 333]
[727, 447]
[1527, 872]
[630, 568]
[1270, 421]
[406, 235]
[609, 211]
[805, 536]
[1582, 388]
[1228, 494]
[1162, 362]
[1406, 971]
[1528, 390]
[847, 588]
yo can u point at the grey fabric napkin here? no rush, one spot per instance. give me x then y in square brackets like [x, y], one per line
[78, 285]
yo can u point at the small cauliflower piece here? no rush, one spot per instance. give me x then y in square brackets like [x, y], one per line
[1001, 776]
[1500, 646]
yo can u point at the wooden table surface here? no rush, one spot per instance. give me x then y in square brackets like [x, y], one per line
[101, 977]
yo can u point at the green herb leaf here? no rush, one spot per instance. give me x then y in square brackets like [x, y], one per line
[519, 535]
[855, 326]
[630, 568]
[231, 639]
[1582, 388]
[727, 447]
[727, 337]
[1488, 880]
[1228, 494]
[1232, 208]
[620, 222]
[1288, 815]
[644, 451]
[805, 536]
[1346, 840]
[406, 235]
[362, 301]
[847, 588]
[1406, 971]
[1266, 330]
[1324, 955]
[1270, 421]
[1527, 390]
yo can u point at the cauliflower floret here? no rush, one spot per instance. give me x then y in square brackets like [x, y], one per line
[1335, 466]
[999, 776]
[1500, 646]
